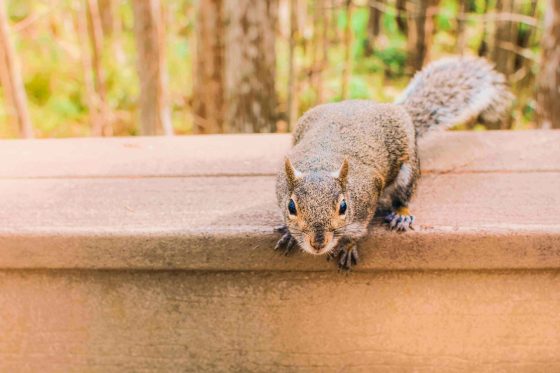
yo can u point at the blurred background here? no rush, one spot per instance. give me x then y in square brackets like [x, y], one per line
[144, 67]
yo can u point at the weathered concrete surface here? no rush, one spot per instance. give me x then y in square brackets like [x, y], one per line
[141, 203]
[110, 321]
[258, 155]
[226, 224]
[156, 255]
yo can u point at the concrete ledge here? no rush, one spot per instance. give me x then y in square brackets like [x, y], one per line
[486, 201]
[459, 249]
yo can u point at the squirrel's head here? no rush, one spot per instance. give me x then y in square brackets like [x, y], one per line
[317, 209]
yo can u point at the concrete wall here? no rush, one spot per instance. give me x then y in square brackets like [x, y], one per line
[55, 321]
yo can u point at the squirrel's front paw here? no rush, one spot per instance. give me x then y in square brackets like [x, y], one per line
[400, 220]
[347, 251]
[286, 243]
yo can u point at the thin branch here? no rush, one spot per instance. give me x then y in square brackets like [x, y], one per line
[488, 17]
[523, 52]
[35, 16]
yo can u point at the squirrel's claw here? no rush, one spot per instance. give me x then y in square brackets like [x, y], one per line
[281, 229]
[401, 222]
[347, 253]
[286, 244]
[348, 258]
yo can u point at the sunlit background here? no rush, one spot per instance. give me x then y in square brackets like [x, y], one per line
[224, 65]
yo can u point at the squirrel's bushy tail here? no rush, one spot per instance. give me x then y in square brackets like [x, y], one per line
[454, 90]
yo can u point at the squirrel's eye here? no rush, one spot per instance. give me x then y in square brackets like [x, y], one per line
[342, 208]
[292, 207]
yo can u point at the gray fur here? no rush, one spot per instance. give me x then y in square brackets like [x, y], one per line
[455, 90]
[378, 141]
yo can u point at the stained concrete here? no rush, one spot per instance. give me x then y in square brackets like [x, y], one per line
[111, 321]
[155, 254]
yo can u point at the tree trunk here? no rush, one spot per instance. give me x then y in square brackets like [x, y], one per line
[250, 65]
[106, 8]
[149, 33]
[292, 107]
[320, 48]
[10, 76]
[102, 126]
[336, 33]
[500, 50]
[347, 63]
[111, 25]
[209, 83]
[81, 27]
[420, 31]
[483, 47]
[463, 8]
[504, 38]
[373, 28]
[402, 17]
[315, 47]
[524, 34]
[326, 17]
[234, 88]
[548, 96]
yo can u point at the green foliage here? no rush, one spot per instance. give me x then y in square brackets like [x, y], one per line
[18, 10]
[359, 88]
[359, 28]
[392, 59]
[447, 15]
[38, 88]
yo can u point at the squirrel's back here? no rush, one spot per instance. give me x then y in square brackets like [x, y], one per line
[362, 130]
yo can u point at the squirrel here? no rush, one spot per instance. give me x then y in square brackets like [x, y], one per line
[353, 158]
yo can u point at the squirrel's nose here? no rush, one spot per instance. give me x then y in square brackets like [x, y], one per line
[319, 241]
[318, 246]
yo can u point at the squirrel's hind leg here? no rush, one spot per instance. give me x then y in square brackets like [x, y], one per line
[400, 193]
[400, 220]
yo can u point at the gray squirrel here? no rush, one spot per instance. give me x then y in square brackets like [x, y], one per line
[353, 158]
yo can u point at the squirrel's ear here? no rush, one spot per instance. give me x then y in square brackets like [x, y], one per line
[291, 172]
[342, 173]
